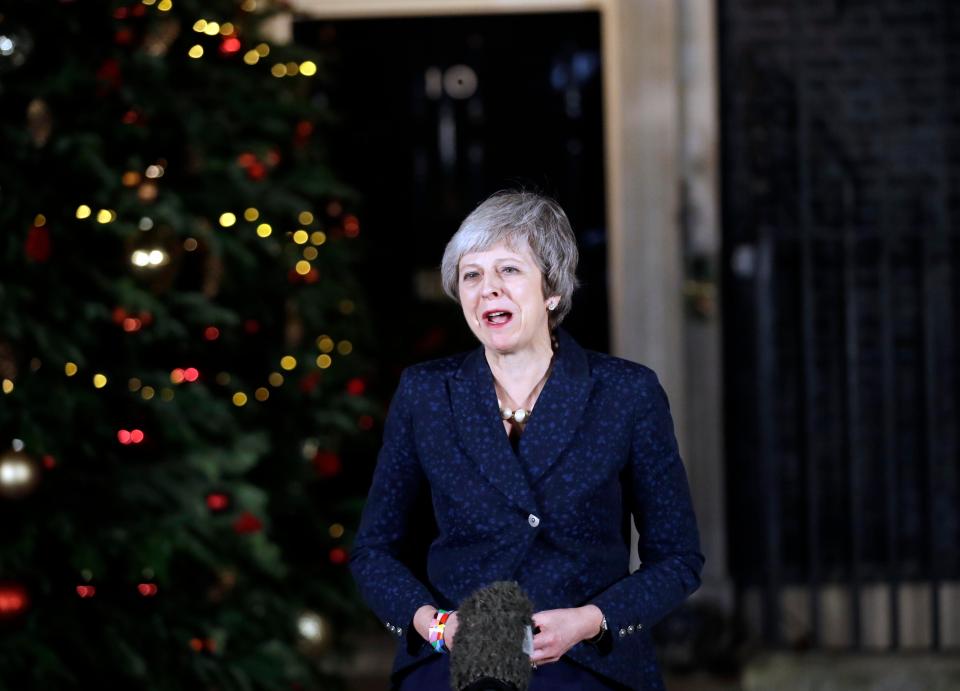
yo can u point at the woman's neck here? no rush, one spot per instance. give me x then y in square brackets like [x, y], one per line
[519, 372]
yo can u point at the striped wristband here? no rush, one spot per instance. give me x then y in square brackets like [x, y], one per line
[436, 630]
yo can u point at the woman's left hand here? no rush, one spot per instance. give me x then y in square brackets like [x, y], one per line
[561, 629]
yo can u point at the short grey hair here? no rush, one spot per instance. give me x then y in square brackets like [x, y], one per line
[516, 218]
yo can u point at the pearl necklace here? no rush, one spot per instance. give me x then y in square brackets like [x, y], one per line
[522, 415]
[519, 415]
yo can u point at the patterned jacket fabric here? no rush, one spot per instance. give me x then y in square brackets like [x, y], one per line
[553, 516]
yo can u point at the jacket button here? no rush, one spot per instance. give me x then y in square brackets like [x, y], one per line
[533, 521]
[630, 628]
[388, 624]
[399, 632]
[639, 626]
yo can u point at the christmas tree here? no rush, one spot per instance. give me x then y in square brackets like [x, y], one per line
[181, 352]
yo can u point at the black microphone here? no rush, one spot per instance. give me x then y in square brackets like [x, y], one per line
[494, 640]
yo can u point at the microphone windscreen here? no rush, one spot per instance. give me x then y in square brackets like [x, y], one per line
[488, 649]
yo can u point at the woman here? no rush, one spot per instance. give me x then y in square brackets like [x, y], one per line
[533, 453]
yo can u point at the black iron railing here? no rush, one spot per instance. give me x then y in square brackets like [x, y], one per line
[841, 167]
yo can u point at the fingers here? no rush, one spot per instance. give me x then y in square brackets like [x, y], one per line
[546, 648]
[550, 643]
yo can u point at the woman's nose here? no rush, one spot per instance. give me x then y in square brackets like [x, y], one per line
[491, 285]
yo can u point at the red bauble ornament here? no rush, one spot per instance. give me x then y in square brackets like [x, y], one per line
[37, 246]
[198, 645]
[365, 422]
[247, 523]
[86, 591]
[351, 226]
[14, 600]
[256, 171]
[211, 333]
[49, 462]
[251, 326]
[356, 386]
[147, 589]
[327, 463]
[230, 45]
[133, 436]
[338, 555]
[218, 501]
[132, 117]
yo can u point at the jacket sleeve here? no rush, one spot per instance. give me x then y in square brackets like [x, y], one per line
[669, 543]
[385, 582]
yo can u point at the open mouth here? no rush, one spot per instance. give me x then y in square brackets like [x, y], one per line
[497, 317]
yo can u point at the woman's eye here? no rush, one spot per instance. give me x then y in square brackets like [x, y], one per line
[510, 269]
[469, 275]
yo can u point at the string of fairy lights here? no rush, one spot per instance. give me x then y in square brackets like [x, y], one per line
[157, 256]
[230, 43]
[186, 375]
[19, 471]
[149, 257]
[153, 257]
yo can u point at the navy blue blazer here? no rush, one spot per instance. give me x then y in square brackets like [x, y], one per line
[554, 516]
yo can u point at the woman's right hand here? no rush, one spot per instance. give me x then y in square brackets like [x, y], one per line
[423, 618]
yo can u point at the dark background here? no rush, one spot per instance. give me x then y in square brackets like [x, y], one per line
[534, 121]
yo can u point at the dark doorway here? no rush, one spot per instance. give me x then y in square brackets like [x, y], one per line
[437, 113]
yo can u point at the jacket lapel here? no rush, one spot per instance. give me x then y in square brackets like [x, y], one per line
[477, 419]
[558, 412]
[559, 408]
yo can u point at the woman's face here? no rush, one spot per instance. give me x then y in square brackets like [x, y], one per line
[501, 293]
